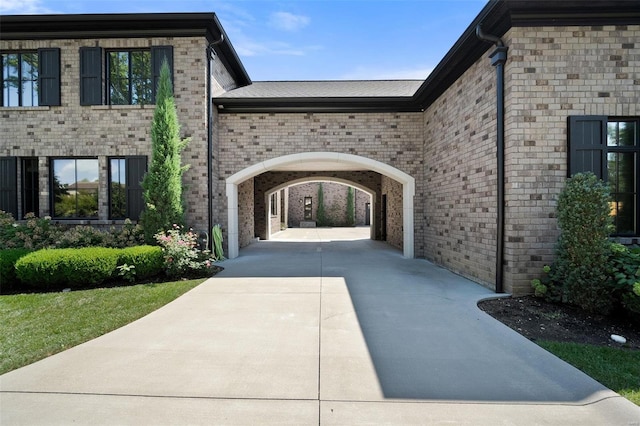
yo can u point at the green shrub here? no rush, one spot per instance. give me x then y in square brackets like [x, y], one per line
[84, 236]
[129, 235]
[321, 216]
[71, 267]
[582, 267]
[626, 268]
[34, 233]
[182, 257]
[8, 259]
[147, 260]
[351, 212]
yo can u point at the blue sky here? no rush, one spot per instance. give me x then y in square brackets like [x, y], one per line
[312, 39]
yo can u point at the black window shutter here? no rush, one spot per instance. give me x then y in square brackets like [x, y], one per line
[49, 77]
[587, 145]
[90, 76]
[135, 168]
[158, 55]
[9, 185]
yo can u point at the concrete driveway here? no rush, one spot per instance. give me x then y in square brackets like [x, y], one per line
[336, 330]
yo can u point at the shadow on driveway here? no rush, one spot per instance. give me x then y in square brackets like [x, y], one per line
[424, 334]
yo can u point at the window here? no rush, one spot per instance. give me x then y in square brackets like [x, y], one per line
[125, 190]
[609, 147]
[130, 76]
[31, 78]
[274, 204]
[9, 185]
[622, 158]
[308, 208]
[75, 188]
[30, 193]
[20, 79]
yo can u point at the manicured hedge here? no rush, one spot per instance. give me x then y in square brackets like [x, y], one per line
[71, 267]
[8, 259]
[148, 260]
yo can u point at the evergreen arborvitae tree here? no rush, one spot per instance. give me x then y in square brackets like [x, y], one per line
[162, 184]
[321, 217]
[351, 218]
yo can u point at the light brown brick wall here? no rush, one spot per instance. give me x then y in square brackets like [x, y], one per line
[246, 213]
[391, 138]
[393, 192]
[460, 179]
[553, 73]
[72, 130]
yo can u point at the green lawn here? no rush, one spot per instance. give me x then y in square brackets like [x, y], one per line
[35, 326]
[616, 368]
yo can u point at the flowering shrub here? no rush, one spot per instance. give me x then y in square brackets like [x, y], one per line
[182, 257]
[36, 233]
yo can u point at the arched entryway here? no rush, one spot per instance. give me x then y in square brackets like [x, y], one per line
[316, 178]
[312, 160]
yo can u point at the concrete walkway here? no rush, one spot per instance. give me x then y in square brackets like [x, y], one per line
[331, 332]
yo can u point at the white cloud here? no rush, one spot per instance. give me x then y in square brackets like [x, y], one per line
[18, 7]
[249, 47]
[288, 21]
[367, 73]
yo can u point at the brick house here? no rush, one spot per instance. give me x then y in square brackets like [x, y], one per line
[463, 169]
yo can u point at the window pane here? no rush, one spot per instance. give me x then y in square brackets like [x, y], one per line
[75, 188]
[621, 175]
[117, 195]
[29, 63]
[119, 78]
[624, 213]
[10, 80]
[140, 77]
[621, 133]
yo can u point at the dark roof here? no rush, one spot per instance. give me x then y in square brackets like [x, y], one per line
[334, 96]
[497, 17]
[126, 25]
[326, 89]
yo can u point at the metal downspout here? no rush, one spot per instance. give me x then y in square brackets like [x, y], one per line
[498, 58]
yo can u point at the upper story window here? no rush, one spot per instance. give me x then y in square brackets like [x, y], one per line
[121, 77]
[20, 79]
[31, 78]
[129, 77]
[610, 148]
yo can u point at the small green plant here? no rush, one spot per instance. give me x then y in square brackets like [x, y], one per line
[182, 257]
[127, 272]
[321, 216]
[351, 213]
[545, 288]
[218, 251]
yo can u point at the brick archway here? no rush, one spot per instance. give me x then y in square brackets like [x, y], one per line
[408, 189]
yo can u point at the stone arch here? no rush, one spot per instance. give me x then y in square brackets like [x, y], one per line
[322, 179]
[407, 181]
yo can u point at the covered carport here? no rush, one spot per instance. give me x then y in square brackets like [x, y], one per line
[317, 163]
